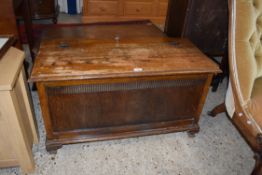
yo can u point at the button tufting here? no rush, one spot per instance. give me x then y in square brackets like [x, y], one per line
[259, 22]
[240, 114]
[255, 3]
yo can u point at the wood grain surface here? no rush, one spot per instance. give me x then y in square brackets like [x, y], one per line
[119, 50]
[18, 128]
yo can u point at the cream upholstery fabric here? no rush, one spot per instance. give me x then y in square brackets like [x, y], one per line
[246, 60]
[248, 47]
[255, 104]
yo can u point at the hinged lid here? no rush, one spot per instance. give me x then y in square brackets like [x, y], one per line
[10, 66]
[126, 50]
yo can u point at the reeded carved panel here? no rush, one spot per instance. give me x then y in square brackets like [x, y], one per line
[90, 106]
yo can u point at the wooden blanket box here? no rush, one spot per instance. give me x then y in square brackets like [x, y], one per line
[110, 81]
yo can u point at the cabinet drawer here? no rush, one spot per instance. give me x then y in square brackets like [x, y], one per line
[162, 9]
[102, 8]
[43, 7]
[138, 8]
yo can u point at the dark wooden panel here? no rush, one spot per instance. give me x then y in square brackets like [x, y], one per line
[204, 22]
[120, 104]
[7, 18]
[8, 21]
[176, 17]
[207, 25]
[42, 9]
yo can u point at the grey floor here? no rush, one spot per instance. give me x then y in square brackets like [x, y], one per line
[218, 149]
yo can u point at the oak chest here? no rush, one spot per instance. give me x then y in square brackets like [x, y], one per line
[111, 81]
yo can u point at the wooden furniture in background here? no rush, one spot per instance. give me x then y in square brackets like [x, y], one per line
[17, 126]
[113, 81]
[43, 9]
[8, 21]
[122, 10]
[205, 23]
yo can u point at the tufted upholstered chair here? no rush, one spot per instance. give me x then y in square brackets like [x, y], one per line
[244, 95]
